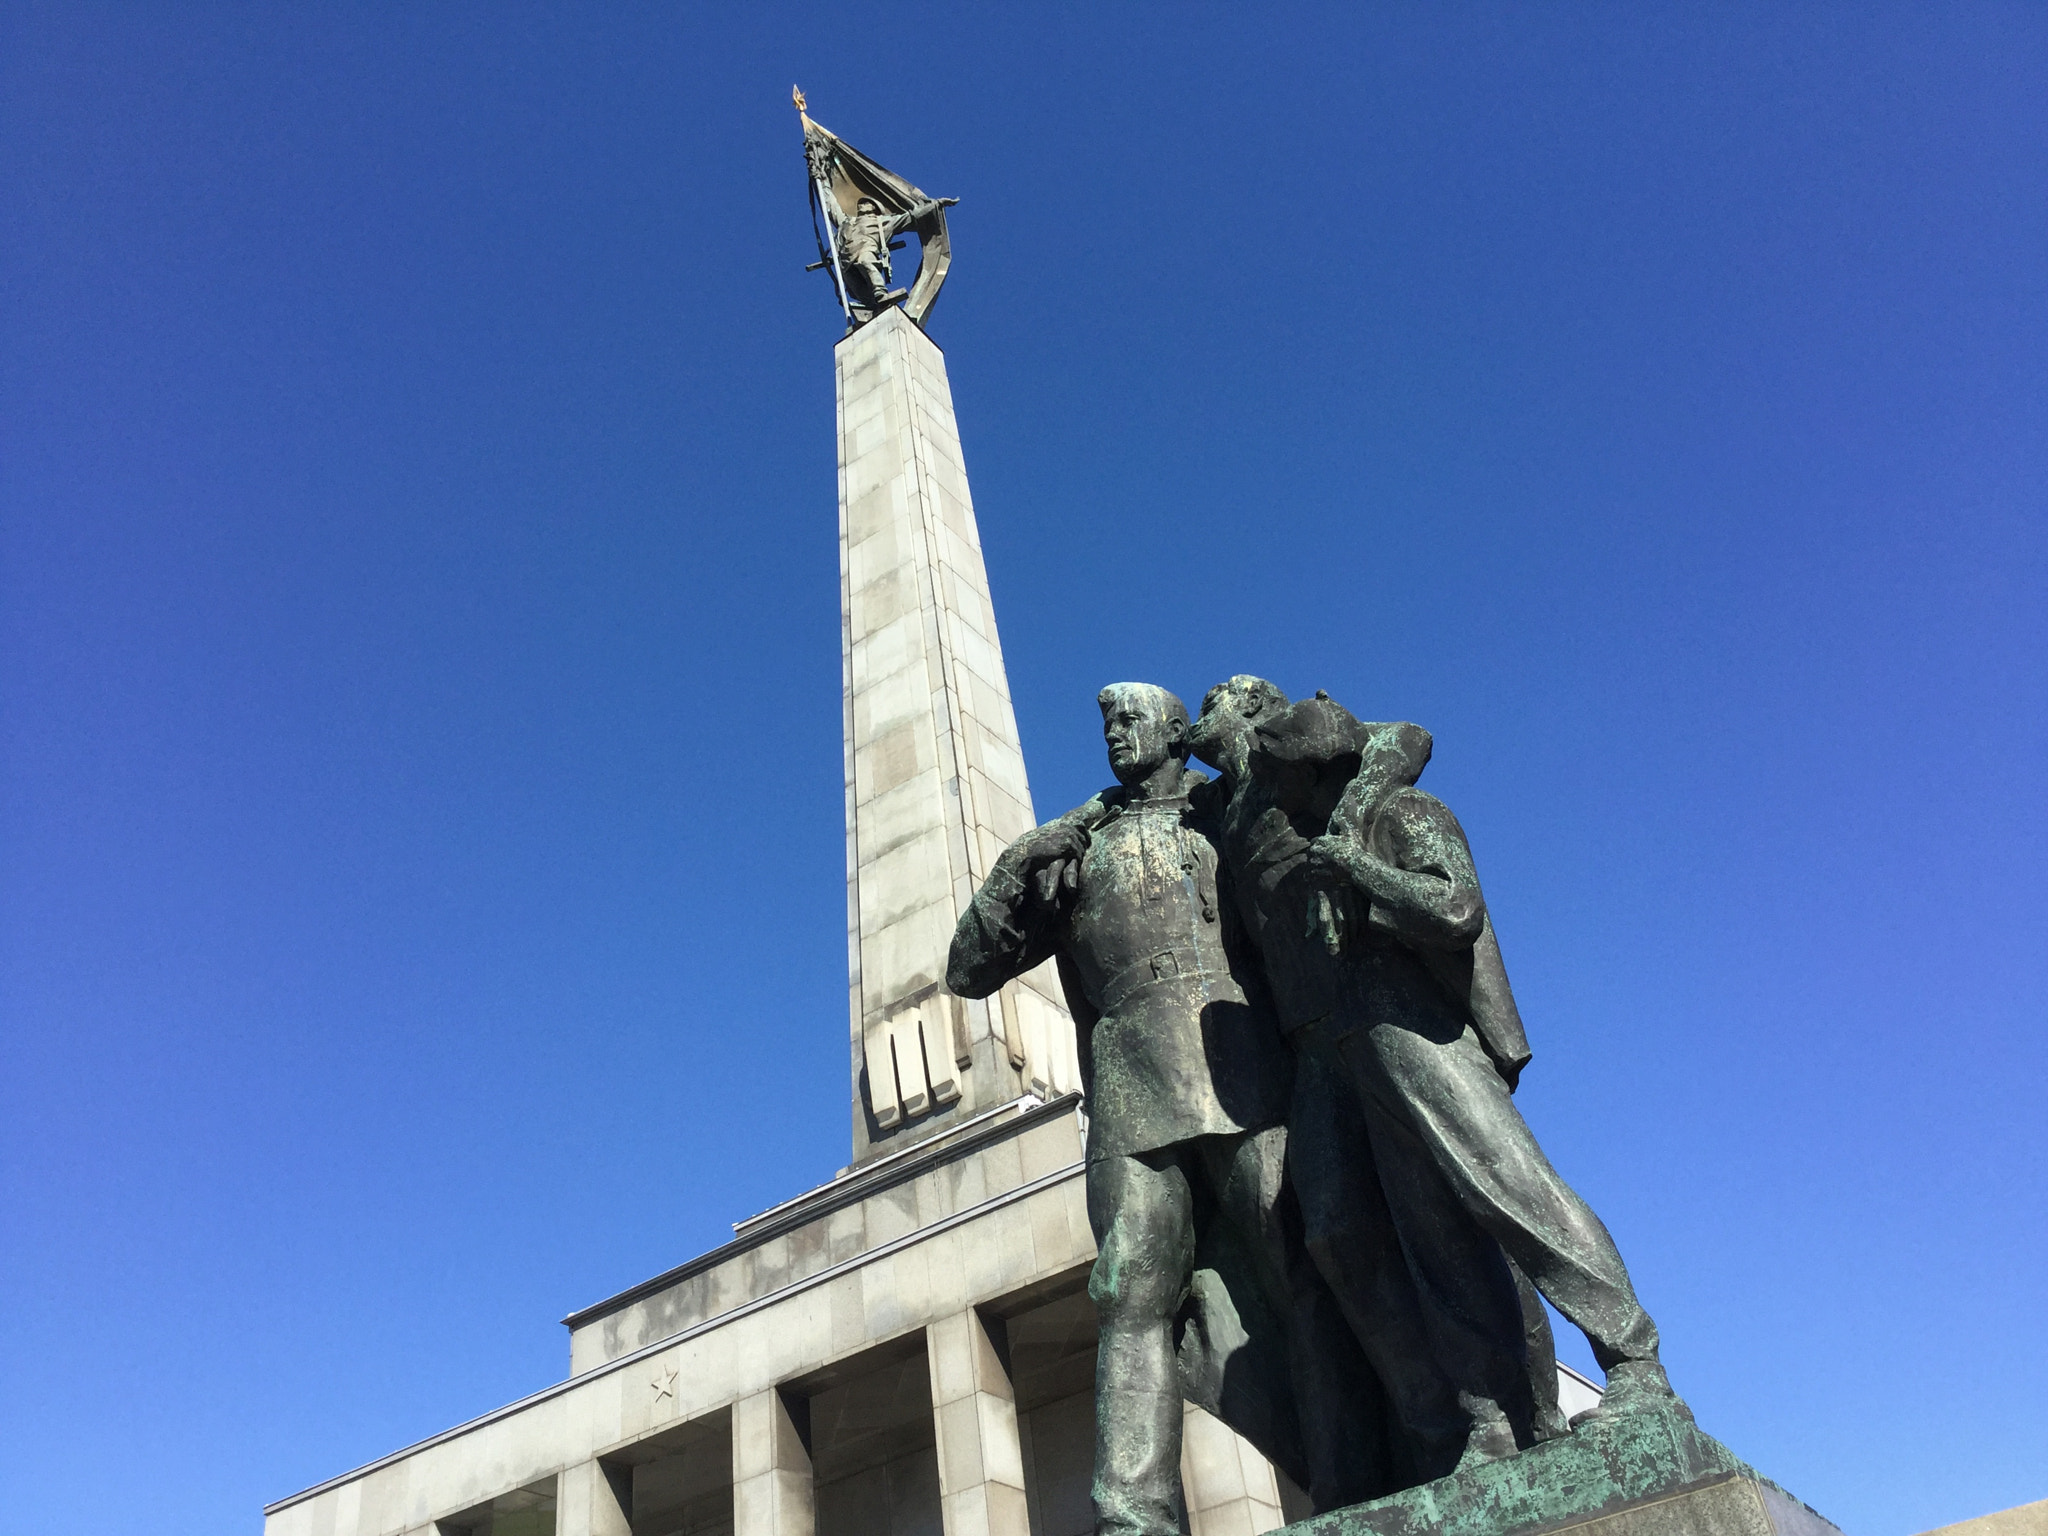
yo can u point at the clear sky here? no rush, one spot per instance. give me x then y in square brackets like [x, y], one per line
[422, 900]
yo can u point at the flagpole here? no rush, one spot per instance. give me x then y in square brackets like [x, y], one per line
[826, 204]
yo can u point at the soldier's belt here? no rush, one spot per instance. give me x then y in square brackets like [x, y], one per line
[1166, 965]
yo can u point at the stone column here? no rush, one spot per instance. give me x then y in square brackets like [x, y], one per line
[974, 1412]
[1230, 1487]
[593, 1499]
[771, 1469]
[935, 783]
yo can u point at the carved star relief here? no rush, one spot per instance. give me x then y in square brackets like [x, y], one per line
[664, 1384]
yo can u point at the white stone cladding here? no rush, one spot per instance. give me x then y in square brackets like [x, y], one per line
[935, 781]
[688, 1397]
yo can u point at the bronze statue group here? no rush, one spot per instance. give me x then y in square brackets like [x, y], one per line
[1319, 1213]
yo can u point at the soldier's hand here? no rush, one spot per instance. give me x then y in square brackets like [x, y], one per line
[1334, 915]
[1051, 858]
[1056, 879]
[1054, 840]
[1332, 856]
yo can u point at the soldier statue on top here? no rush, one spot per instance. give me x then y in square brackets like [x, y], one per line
[864, 249]
[858, 208]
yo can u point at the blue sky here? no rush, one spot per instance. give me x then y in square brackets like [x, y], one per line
[421, 899]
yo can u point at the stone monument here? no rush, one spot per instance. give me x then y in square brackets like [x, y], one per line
[930, 1343]
[935, 782]
[908, 1349]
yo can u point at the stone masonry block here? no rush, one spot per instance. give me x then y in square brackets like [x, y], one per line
[890, 699]
[909, 872]
[959, 1442]
[903, 815]
[906, 957]
[886, 548]
[884, 600]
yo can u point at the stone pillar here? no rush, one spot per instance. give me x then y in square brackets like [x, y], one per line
[594, 1499]
[974, 1412]
[935, 783]
[771, 1469]
[1230, 1487]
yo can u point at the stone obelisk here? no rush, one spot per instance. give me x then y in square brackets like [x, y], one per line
[935, 782]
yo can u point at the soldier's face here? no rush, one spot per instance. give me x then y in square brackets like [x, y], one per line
[1139, 736]
[1226, 717]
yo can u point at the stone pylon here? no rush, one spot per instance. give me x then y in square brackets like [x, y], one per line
[935, 782]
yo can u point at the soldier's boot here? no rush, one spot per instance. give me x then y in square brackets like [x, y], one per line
[1492, 1437]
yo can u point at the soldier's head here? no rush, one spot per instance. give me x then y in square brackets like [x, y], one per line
[867, 205]
[1307, 753]
[1144, 726]
[1222, 736]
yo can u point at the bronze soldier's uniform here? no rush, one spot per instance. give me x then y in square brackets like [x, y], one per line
[1418, 1350]
[864, 250]
[1424, 1029]
[1187, 1085]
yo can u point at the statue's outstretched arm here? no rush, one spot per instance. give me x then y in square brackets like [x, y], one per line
[925, 209]
[1427, 891]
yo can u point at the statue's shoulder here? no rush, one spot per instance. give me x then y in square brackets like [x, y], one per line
[1208, 800]
[1097, 808]
[1414, 815]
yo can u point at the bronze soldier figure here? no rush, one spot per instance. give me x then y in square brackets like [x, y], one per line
[864, 248]
[1187, 1083]
[1296, 922]
[1428, 1037]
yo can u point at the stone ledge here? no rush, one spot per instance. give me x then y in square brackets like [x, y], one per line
[952, 1142]
[580, 1383]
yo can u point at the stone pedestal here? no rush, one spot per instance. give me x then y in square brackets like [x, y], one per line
[1641, 1474]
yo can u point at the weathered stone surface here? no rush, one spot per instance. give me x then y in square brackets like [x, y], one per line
[935, 781]
[1635, 1474]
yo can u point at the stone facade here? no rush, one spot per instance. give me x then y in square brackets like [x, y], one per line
[907, 1351]
[935, 781]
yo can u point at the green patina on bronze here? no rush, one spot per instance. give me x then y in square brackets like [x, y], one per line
[1319, 1213]
[1203, 1287]
[1606, 1467]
